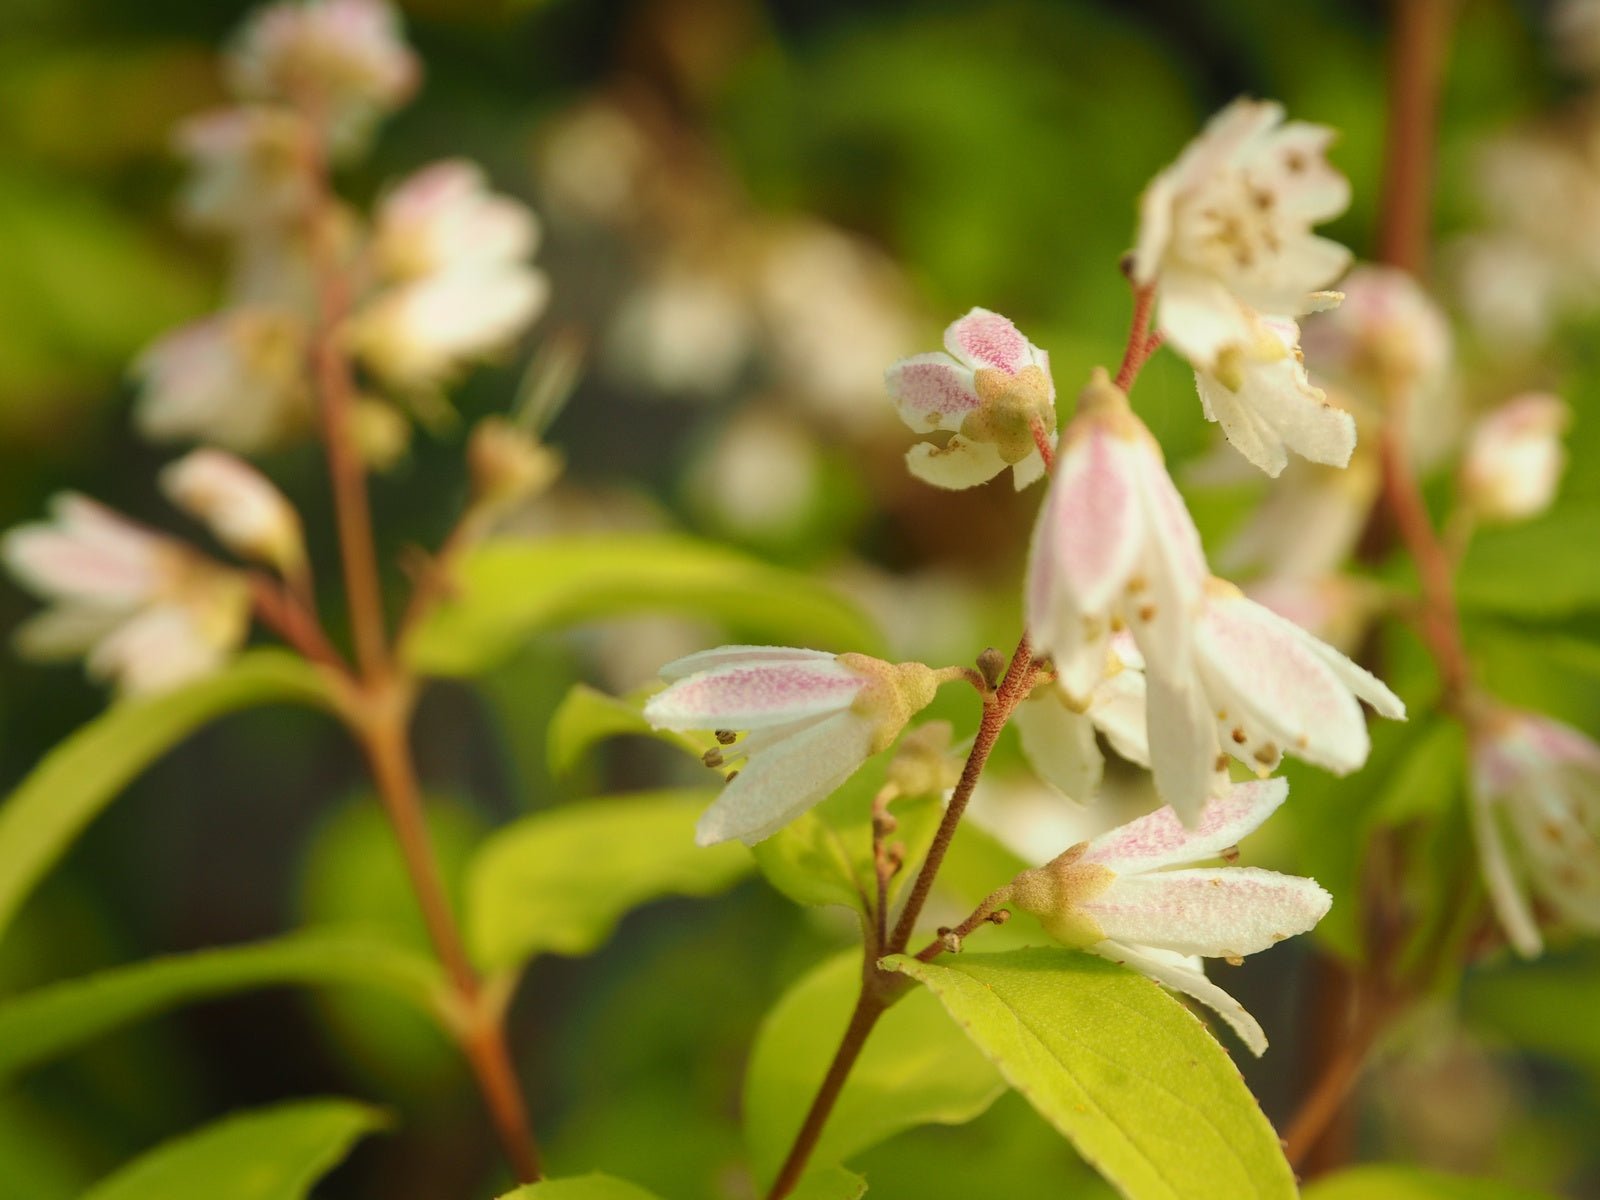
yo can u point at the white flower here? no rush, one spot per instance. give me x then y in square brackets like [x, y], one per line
[148, 613]
[1115, 896]
[237, 379]
[1514, 458]
[1540, 780]
[1225, 232]
[242, 507]
[993, 390]
[1308, 523]
[444, 218]
[341, 63]
[1059, 740]
[1266, 405]
[1113, 546]
[1387, 337]
[812, 719]
[249, 169]
[1254, 686]
[420, 334]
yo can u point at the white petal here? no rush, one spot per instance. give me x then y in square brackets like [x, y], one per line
[1219, 912]
[1199, 317]
[731, 656]
[1183, 744]
[754, 695]
[931, 391]
[1357, 678]
[1510, 905]
[64, 632]
[1118, 711]
[1027, 471]
[1173, 567]
[957, 464]
[1160, 839]
[1275, 409]
[1060, 744]
[986, 339]
[153, 651]
[786, 779]
[1171, 971]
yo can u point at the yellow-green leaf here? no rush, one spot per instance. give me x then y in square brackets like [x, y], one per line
[1384, 1182]
[584, 1187]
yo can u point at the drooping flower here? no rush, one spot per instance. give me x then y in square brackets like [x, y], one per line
[341, 63]
[237, 379]
[1514, 458]
[1113, 547]
[1267, 406]
[1225, 232]
[147, 612]
[1118, 896]
[241, 506]
[992, 390]
[444, 218]
[1059, 740]
[809, 720]
[1538, 781]
[248, 169]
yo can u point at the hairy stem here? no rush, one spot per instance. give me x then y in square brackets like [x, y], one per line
[1141, 344]
[950, 939]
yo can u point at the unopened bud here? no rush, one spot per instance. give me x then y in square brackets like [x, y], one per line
[1514, 458]
[382, 434]
[992, 666]
[241, 506]
[507, 463]
[923, 765]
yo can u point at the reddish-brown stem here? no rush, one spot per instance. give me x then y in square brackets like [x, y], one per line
[1327, 1098]
[1141, 344]
[282, 611]
[950, 939]
[1416, 68]
[1042, 443]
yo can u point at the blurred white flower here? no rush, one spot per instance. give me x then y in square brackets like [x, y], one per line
[1308, 523]
[237, 379]
[1117, 896]
[1575, 34]
[682, 332]
[242, 507]
[1386, 337]
[1337, 609]
[249, 169]
[1225, 232]
[1539, 781]
[145, 611]
[992, 389]
[591, 161]
[342, 64]
[444, 218]
[812, 719]
[761, 478]
[1514, 458]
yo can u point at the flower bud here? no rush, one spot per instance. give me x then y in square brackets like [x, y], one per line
[923, 765]
[240, 505]
[382, 434]
[507, 463]
[1514, 458]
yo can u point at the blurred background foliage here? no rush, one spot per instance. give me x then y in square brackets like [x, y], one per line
[750, 210]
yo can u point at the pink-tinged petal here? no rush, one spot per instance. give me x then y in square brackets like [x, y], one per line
[956, 465]
[1085, 543]
[931, 391]
[1358, 679]
[986, 339]
[1173, 568]
[1505, 893]
[754, 697]
[1173, 971]
[1183, 745]
[1558, 845]
[734, 656]
[1561, 744]
[1271, 684]
[786, 779]
[1160, 839]
[1222, 912]
[1060, 744]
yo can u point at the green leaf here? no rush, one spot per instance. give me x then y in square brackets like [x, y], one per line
[558, 882]
[1122, 1069]
[48, 1021]
[269, 1154]
[1546, 1007]
[916, 1069]
[587, 716]
[1539, 570]
[830, 1183]
[84, 773]
[1382, 1182]
[507, 591]
[585, 1187]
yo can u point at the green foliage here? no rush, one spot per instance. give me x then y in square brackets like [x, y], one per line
[588, 716]
[1531, 570]
[916, 1069]
[559, 882]
[39, 1025]
[830, 1183]
[1121, 1068]
[1410, 1183]
[83, 774]
[269, 1154]
[1546, 1006]
[507, 591]
[586, 1187]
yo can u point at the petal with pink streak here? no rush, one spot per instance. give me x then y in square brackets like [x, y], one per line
[754, 696]
[986, 339]
[931, 391]
[1160, 839]
[729, 656]
[1221, 912]
[1171, 970]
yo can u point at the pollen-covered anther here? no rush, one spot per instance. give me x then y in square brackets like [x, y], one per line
[1238, 735]
[725, 736]
[712, 758]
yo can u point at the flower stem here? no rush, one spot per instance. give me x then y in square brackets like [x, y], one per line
[1141, 343]
[950, 939]
[1416, 68]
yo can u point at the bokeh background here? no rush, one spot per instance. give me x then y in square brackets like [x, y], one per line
[749, 210]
